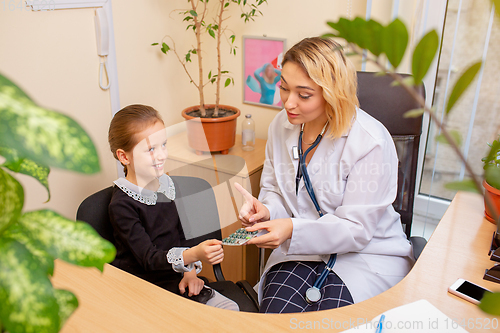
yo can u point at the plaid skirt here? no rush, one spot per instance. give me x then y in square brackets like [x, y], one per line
[286, 284]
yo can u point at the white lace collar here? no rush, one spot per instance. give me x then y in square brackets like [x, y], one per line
[146, 196]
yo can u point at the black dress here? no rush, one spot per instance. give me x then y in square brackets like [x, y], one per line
[144, 234]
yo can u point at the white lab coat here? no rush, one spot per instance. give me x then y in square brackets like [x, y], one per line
[355, 182]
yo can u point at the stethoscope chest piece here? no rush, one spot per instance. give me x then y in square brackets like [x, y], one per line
[313, 295]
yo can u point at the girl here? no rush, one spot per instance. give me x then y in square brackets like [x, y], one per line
[327, 189]
[143, 213]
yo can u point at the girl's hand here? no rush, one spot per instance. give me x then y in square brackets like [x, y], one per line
[210, 250]
[192, 282]
[279, 231]
[253, 210]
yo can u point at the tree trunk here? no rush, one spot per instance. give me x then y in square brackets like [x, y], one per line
[219, 63]
[197, 25]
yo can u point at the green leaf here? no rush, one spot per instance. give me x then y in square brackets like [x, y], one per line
[228, 82]
[11, 200]
[391, 40]
[358, 32]
[395, 40]
[373, 37]
[462, 83]
[26, 294]
[12, 160]
[211, 33]
[232, 38]
[188, 57]
[14, 91]
[26, 167]
[209, 75]
[19, 234]
[414, 113]
[492, 175]
[194, 13]
[75, 242]
[423, 55]
[41, 135]
[154, 44]
[165, 48]
[490, 303]
[67, 302]
[345, 29]
[464, 185]
[37, 171]
[493, 156]
[455, 135]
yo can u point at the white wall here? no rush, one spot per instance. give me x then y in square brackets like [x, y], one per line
[52, 56]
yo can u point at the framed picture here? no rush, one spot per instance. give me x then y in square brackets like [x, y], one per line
[262, 70]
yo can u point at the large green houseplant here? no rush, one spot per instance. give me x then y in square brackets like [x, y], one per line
[391, 41]
[205, 19]
[33, 139]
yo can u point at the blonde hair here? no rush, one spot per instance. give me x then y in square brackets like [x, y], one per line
[324, 62]
[125, 125]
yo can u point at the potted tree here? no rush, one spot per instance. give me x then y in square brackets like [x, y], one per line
[491, 181]
[210, 127]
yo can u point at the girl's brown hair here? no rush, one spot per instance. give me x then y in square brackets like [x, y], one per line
[126, 123]
[324, 62]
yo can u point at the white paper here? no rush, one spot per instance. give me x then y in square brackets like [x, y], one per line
[420, 316]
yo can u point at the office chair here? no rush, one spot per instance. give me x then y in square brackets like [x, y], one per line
[388, 104]
[195, 202]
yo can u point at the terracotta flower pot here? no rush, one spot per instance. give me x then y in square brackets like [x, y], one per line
[211, 134]
[494, 195]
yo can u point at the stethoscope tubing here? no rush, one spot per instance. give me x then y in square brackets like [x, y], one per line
[307, 183]
[305, 174]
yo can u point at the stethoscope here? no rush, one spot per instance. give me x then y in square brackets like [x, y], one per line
[313, 294]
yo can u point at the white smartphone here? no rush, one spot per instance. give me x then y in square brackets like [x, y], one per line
[468, 290]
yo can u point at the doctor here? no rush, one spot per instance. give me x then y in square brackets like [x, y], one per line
[327, 188]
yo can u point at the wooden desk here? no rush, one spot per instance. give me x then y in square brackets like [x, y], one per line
[119, 302]
[222, 171]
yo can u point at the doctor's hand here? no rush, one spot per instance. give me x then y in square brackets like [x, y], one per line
[253, 210]
[279, 231]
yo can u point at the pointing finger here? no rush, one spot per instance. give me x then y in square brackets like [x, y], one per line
[248, 197]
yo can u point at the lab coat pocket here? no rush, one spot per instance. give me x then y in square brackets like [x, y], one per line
[384, 265]
[330, 195]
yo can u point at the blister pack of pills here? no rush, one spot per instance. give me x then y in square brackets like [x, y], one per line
[239, 237]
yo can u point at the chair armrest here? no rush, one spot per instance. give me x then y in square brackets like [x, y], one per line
[248, 289]
[219, 276]
[418, 244]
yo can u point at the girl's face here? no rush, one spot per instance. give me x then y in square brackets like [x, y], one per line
[147, 159]
[302, 98]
